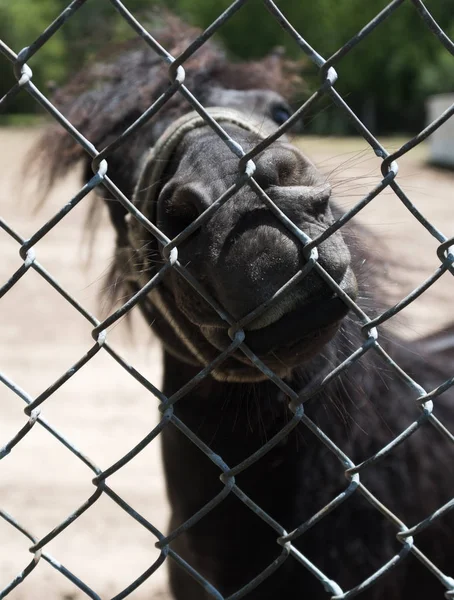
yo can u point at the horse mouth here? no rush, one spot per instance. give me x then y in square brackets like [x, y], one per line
[306, 324]
[293, 330]
[297, 336]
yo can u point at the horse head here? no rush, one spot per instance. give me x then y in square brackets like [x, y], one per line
[242, 252]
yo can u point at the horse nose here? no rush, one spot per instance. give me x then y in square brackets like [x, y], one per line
[294, 184]
[257, 259]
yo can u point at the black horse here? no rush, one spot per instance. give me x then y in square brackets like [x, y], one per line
[242, 255]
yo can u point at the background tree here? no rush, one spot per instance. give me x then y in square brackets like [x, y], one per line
[20, 23]
[385, 79]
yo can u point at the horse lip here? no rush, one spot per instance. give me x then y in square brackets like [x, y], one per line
[293, 304]
[286, 305]
[306, 320]
[302, 328]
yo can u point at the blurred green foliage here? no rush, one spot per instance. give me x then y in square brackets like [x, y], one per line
[385, 79]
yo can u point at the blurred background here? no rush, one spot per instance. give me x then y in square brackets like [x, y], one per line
[398, 65]
[387, 80]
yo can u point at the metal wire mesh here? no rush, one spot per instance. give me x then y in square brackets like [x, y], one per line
[406, 533]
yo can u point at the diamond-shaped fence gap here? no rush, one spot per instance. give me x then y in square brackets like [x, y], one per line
[41, 484]
[132, 337]
[414, 203]
[89, 261]
[108, 417]
[36, 316]
[432, 16]
[303, 442]
[240, 24]
[380, 417]
[331, 538]
[353, 172]
[352, 168]
[25, 205]
[406, 269]
[105, 539]
[415, 321]
[86, 241]
[238, 540]
[377, 42]
[425, 498]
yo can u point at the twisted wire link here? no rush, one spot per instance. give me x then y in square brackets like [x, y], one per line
[424, 400]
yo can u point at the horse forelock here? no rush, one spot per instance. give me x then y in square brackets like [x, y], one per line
[115, 88]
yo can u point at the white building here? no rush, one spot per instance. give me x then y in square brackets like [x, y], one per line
[441, 142]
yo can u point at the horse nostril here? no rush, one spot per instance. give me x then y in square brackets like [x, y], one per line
[181, 207]
[281, 166]
[190, 201]
[319, 202]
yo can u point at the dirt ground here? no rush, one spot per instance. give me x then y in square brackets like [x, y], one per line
[102, 410]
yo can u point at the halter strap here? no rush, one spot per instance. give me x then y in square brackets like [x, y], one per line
[148, 186]
[145, 198]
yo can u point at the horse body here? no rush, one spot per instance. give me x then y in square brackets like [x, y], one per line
[231, 545]
[242, 255]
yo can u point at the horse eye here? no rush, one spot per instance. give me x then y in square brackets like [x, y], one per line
[280, 114]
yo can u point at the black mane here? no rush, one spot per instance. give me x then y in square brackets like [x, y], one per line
[110, 93]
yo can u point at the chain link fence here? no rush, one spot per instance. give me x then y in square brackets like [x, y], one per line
[407, 533]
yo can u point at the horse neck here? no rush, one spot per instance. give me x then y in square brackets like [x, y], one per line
[218, 410]
[235, 419]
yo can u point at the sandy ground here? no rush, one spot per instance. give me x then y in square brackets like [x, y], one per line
[102, 410]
